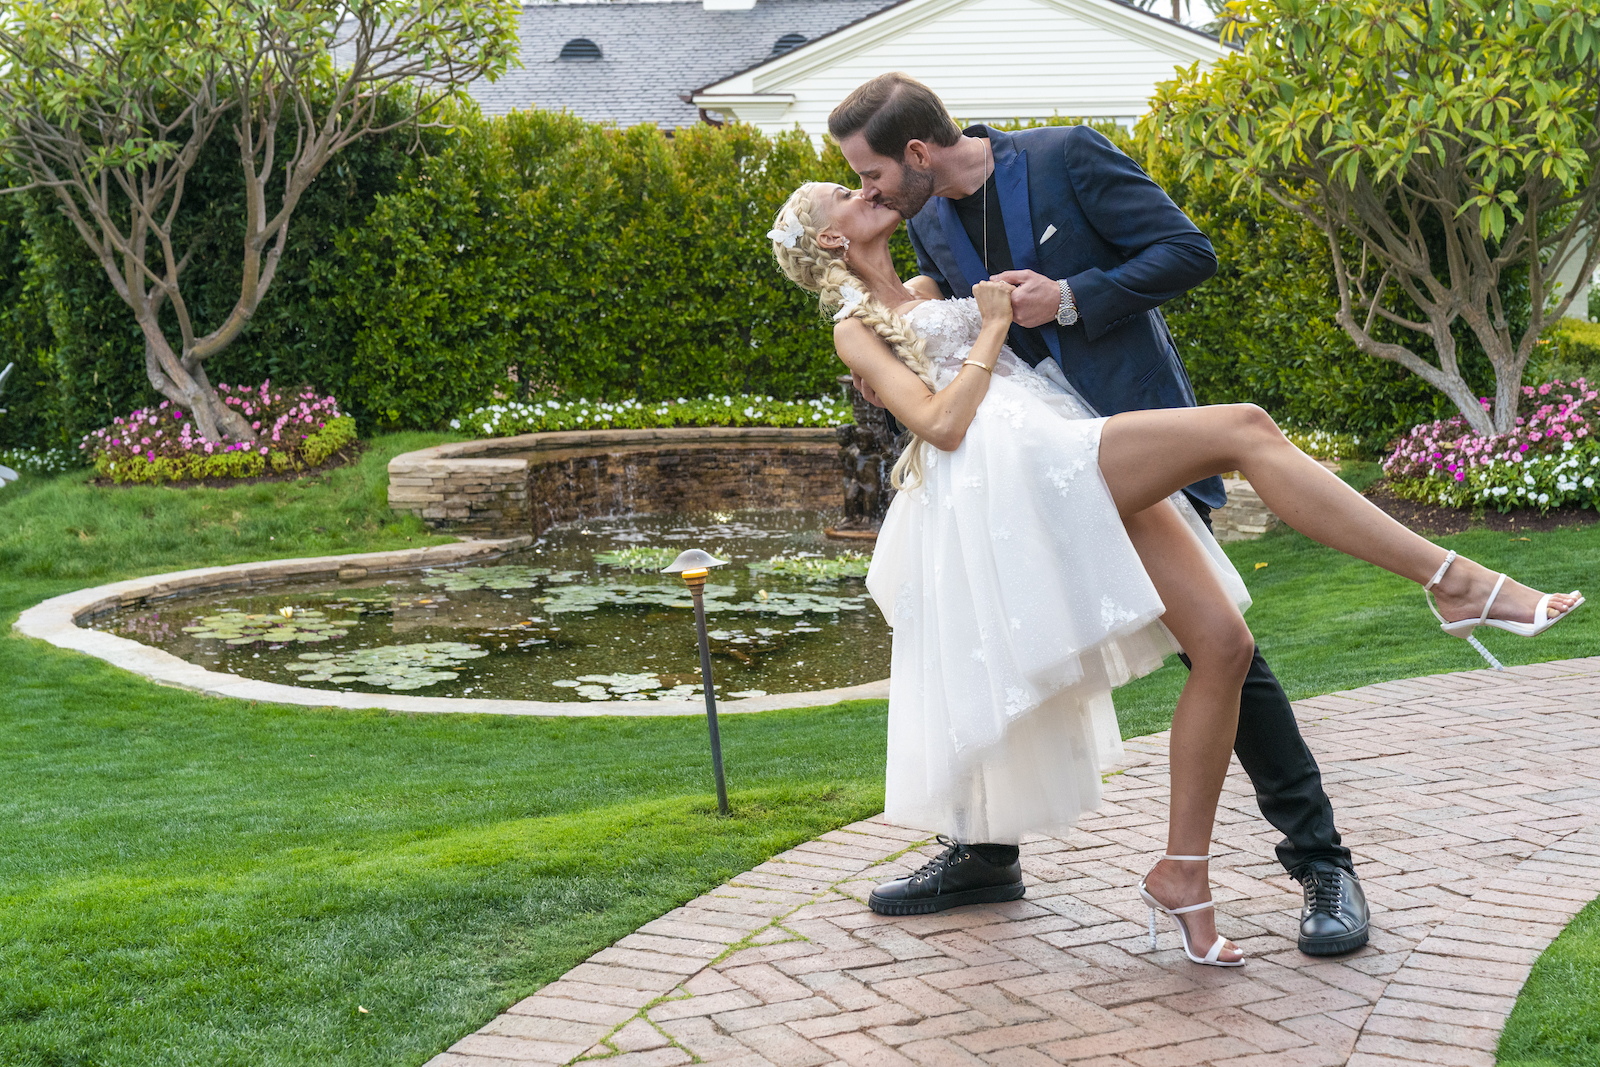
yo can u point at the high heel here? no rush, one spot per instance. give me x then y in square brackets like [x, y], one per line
[1210, 958]
[1462, 628]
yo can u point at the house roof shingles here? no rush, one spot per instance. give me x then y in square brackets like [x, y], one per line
[650, 54]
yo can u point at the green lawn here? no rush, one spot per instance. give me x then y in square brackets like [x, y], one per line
[1556, 1022]
[192, 880]
[1326, 622]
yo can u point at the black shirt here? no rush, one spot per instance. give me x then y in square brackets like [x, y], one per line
[971, 210]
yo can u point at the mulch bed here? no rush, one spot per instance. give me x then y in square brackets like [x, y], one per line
[1433, 519]
[343, 457]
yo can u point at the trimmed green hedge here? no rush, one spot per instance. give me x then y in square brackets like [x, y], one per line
[536, 254]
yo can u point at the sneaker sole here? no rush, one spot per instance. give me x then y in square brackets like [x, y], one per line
[1334, 946]
[995, 894]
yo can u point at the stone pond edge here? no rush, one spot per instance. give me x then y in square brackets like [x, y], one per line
[56, 621]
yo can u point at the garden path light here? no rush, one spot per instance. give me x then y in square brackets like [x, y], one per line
[693, 566]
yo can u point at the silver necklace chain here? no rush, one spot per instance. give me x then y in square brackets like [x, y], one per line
[983, 179]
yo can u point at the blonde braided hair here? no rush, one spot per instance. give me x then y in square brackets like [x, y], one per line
[823, 271]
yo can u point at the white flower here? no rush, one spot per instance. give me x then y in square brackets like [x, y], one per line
[849, 297]
[1588, 483]
[455, 424]
[788, 234]
[1544, 498]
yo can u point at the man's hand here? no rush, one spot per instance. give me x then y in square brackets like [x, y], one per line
[1036, 298]
[866, 390]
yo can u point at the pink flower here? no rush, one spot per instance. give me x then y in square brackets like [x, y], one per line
[263, 450]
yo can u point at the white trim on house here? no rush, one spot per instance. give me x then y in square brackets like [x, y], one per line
[989, 60]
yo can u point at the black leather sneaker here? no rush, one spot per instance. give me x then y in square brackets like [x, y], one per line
[955, 877]
[1333, 919]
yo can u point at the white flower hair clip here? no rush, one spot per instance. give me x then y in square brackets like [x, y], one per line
[849, 297]
[791, 232]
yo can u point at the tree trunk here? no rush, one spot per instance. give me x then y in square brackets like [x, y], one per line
[215, 420]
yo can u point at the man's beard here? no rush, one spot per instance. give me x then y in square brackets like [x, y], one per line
[916, 189]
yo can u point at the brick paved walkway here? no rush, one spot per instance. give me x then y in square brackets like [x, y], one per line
[1469, 799]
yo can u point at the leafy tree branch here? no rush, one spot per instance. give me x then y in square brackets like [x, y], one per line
[1453, 143]
[107, 104]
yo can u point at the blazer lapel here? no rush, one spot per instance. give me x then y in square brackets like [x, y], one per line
[955, 235]
[1011, 181]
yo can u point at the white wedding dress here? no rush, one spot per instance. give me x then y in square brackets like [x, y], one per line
[1017, 604]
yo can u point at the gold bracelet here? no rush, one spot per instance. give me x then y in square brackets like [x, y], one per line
[975, 363]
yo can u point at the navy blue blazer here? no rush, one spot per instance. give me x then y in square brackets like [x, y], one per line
[1118, 240]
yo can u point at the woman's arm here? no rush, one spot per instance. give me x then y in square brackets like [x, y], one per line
[928, 289]
[939, 418]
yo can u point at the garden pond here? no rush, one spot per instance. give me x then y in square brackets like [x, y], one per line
[582, 614]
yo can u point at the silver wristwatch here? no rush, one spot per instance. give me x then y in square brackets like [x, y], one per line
[1067, 314]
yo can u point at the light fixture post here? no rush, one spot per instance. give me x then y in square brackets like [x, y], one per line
[694, 566]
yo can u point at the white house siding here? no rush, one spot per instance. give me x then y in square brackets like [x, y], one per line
[990, 60]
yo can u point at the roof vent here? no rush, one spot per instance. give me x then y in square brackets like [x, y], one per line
[788, 43]
[580, 48]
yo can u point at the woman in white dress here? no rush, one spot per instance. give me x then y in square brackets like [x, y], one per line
[1038, 556]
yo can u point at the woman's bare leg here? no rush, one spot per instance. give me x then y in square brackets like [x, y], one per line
[1214, 635]
[1146, 456]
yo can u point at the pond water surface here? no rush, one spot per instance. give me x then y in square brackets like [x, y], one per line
[582, 614]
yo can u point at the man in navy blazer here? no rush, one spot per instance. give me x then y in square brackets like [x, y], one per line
[1094, 247]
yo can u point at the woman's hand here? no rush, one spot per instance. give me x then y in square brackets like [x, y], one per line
[994, 302]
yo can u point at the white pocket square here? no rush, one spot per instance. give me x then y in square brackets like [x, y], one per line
[1049, 232]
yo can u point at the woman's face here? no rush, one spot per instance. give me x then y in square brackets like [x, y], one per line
[851, 215]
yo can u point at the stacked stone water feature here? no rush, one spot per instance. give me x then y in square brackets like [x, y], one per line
[867, 451]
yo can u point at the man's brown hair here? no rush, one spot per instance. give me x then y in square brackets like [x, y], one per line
[893, 110]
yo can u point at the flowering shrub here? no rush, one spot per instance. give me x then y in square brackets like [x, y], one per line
[1325, 444]
[1550, 459]
[38, 460]
[161, 444]
[537, 416]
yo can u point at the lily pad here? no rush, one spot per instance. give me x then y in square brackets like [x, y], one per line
[587, 598]
[397, 667]
[816, 568]
[627, 687]
[306, 625]
[470, 578]
[364, 602]
[639, 558]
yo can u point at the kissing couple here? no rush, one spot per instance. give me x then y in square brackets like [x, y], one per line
[1050, 540]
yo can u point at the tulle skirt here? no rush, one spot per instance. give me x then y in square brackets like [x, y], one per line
[1017, 604]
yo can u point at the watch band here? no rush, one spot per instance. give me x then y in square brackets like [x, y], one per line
[1067, 314]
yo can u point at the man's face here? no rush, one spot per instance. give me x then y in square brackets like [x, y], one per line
[905, 187]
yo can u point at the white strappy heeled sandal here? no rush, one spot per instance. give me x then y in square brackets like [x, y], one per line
[1210, 959]
[1462, 628]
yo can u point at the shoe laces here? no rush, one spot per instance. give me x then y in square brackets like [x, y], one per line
[1323, 891]
[939, 862]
